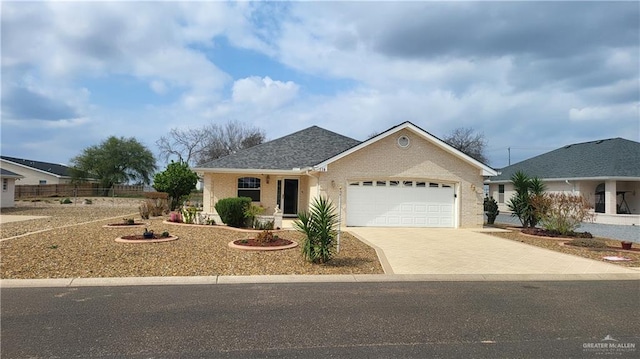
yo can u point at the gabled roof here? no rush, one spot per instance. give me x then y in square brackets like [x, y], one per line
[8, 174]
[486, 170]
[51, 168]
[610, 158]
[299, 150]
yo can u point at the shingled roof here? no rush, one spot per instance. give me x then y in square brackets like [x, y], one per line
[300, 149]
[52, 168]
[8, 174]
[613, 158]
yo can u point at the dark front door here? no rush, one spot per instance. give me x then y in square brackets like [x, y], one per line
[290, 207]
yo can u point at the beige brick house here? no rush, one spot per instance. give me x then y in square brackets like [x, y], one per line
[403, 177]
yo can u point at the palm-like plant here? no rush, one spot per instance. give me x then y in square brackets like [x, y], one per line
[319, 225]
[521, 204]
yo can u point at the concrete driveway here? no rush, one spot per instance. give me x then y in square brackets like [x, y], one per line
[466, 251]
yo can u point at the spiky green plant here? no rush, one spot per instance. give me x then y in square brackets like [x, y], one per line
[319, 227]
[522, 203]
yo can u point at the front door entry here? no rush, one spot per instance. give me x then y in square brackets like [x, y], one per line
[290, 197]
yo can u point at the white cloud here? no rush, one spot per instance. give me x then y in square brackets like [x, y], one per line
[158, 87]
[264, 92]
[613, 113]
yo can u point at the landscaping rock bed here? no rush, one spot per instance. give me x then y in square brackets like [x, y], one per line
[88, 250]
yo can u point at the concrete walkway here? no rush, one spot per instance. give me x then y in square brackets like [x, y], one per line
[465, 251]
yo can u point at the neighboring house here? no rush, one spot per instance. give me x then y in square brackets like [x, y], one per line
[403, 177]
[36, 172]
[605, 172]
[8, 188]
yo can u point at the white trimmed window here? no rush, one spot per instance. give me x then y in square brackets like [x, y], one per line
[249, 187]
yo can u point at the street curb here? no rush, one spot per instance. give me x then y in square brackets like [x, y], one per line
[291, 279]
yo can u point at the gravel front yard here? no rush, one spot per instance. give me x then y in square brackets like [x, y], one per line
[89, 250]
[71, 247]
[555, 244]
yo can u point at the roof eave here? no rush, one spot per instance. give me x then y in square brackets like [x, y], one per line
[12, 176]
[250, 170]
[36, 169]
[562, 179]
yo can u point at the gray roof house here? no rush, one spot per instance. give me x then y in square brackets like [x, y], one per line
[36, 172]
[301, 149]
[402, 177]
[7, 199]
[606, 172]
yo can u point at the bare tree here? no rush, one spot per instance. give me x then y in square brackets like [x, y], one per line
[468, 141]
[228, 139]
[183, 144]
[200, 145]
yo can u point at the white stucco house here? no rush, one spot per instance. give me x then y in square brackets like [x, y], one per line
[606, 172]
[403, 177]
[8, 178]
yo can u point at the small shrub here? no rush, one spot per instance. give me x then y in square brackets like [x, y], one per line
[251, 213]
[189, 215]
[87, 201]
[232, 210]
[265, 237]
[491, 209]
[562, 212]
[175, 217]
[157, 207]
[65, 201]
[165, 234]
[144, 210]
[588, 243]
[128, 221]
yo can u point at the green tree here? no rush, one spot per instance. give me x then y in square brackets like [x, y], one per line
[177, 180]
[522, 204]
[116, 160]
[319, 225]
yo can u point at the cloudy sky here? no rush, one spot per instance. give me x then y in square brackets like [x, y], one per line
[530, 76]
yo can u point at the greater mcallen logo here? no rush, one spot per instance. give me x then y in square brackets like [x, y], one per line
[609, 345]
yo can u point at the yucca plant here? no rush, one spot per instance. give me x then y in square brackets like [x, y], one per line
[521, 204]
[319, 226]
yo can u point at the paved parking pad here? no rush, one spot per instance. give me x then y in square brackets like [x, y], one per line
[467, 251]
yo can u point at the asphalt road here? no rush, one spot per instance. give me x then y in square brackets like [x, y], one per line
[325, 320]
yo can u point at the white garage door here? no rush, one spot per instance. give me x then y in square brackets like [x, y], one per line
[400, 204]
